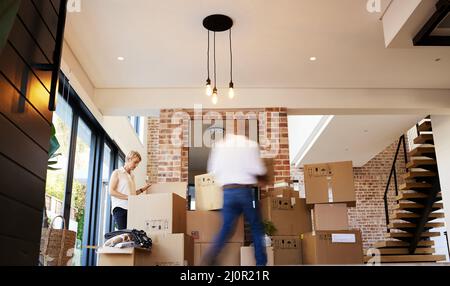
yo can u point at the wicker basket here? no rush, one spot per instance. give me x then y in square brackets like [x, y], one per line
[58, 245]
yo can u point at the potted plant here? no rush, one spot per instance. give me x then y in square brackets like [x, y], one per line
[269, 231]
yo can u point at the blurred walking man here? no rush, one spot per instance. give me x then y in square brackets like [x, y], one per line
[236, 163]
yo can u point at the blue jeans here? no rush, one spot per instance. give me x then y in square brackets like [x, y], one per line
[235, 202]
[120, 216]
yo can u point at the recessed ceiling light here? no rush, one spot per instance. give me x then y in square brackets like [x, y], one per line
[313, 59]
[120, 59]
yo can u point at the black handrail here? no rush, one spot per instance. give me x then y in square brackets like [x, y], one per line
[393, 173]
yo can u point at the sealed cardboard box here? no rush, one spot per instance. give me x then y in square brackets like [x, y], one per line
[172, 250]
[287, 250]
[208, 195]
[330, 183]
[248, 256]
[330, 217]
[203, 226]
[179, 188]
[157, 213]
[332, 247]
[281, 192]
[229, 256]
[290, 216]
[112, 256]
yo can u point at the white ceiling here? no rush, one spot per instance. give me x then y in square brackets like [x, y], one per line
[357, 138]
[164, 45]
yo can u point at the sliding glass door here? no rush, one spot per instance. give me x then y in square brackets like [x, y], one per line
[77, 185]
[81, 175]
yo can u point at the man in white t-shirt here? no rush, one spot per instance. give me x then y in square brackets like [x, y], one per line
[236, 165]
[122, 185]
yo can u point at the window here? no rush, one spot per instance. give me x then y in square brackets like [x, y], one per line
[80, 175]
[83, 160]
[57, 175]
[137, 122]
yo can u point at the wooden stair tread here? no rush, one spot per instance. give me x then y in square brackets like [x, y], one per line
[413, 225]
[425, 126]
[418, 174]
[391, 243]
[424, 139]
[419, 151]
[399, 215]
[409, 196]
[406, 234]
[403, 206]
[415, 163]
[408, 258]
[415, 185]
[404, 250]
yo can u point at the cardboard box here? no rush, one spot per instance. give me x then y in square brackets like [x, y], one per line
[330, 217]
[203, 226]
[287, 250]
[330, 183]
[172, 250]
[290, 216]
[281, 192]
[230, 255]
[111, 256]
[157, 213]
[248, 256]
[332, 247]
[179, 188]
[208, 195]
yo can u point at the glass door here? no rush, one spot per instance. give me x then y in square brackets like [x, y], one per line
[105, 204]
[57, 174]
[81, 177]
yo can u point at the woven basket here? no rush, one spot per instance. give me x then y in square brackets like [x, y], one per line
[58, 245]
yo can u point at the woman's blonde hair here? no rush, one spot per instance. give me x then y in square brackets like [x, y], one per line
[133, 154]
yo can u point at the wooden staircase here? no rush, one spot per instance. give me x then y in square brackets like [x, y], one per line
[410, 226]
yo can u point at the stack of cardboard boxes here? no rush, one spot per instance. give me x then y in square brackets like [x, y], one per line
[290, 216]
[205, 222]
[329, 191]
[162, 215]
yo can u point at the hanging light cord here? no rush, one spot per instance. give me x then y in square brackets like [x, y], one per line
[231, 60]
[207, 57]
[215, 60]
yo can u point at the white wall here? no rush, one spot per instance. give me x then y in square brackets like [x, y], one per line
[300, 128]
[120, 130]
[441, 134]
[117, 127]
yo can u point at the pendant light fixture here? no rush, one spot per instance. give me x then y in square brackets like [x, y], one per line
[209, 90]
[218, 23]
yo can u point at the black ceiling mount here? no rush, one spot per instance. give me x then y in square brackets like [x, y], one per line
[217, 23]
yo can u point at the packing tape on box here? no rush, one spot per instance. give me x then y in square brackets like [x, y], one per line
[330, 190]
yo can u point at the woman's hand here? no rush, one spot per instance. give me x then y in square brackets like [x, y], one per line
[143, 189]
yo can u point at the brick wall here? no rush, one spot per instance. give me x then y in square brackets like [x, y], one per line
[153, 149]
[168, 156]
[370, 184]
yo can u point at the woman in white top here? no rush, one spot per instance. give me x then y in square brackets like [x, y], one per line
[121, 186]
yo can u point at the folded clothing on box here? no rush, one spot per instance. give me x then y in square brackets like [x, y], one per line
[139, 237]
